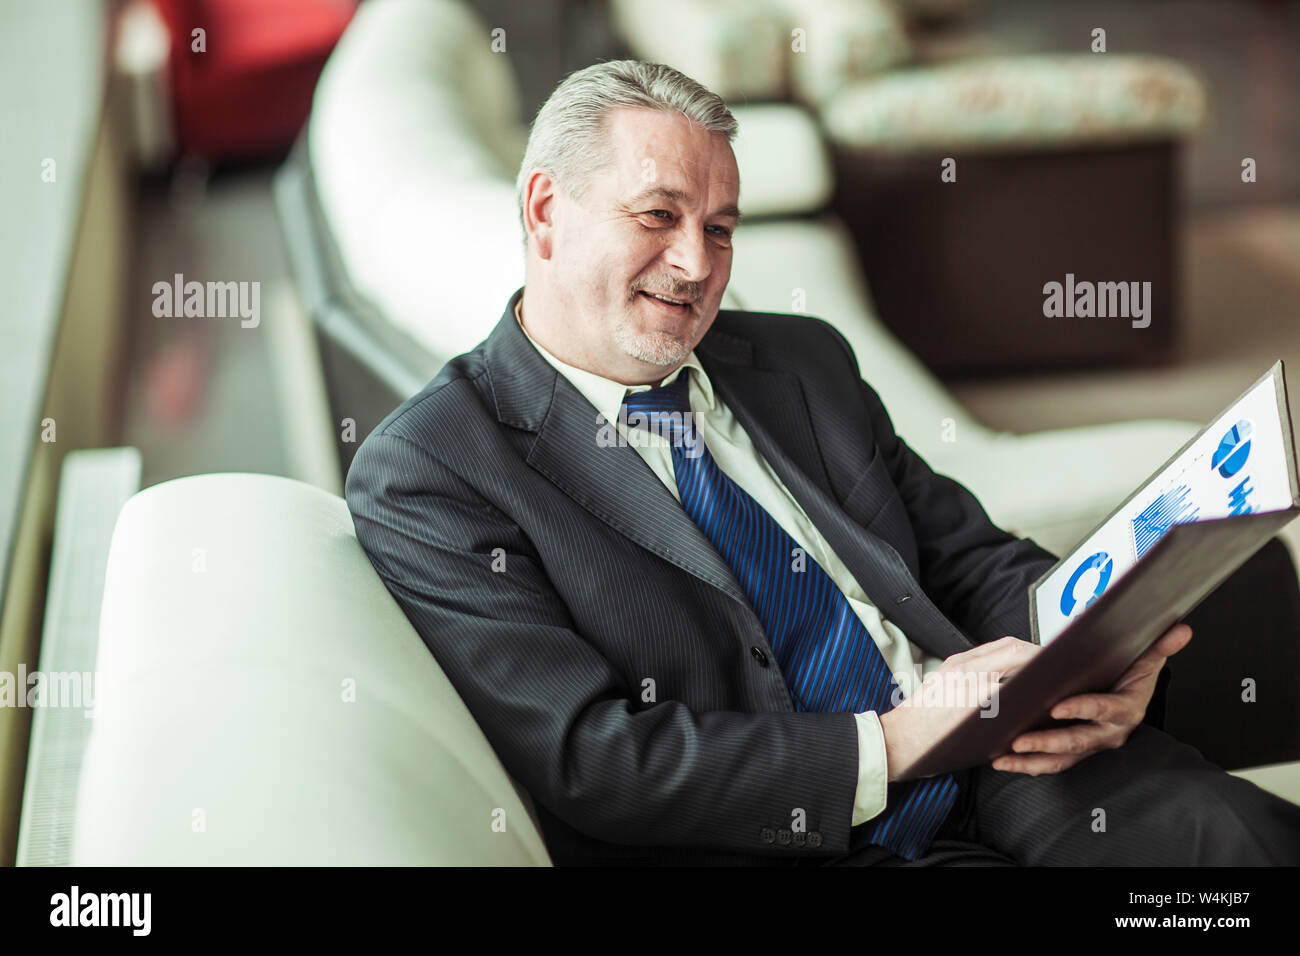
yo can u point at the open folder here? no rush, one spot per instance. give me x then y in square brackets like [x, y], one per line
[1199, 517]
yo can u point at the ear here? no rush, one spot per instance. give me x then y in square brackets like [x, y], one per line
[539, 211]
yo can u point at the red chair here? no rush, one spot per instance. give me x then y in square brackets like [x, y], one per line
[247, 91]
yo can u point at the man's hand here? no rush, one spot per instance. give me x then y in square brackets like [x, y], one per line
[1111, 717]
[946, 697]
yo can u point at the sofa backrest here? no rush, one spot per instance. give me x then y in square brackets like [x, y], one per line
[414, 140]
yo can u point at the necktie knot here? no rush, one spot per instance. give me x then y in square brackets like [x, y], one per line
[663, 411]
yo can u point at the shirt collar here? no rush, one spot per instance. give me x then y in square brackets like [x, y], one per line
[606, 394]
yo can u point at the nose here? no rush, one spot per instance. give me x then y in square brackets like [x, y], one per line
[688, 254]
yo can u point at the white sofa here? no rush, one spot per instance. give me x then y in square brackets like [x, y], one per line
[415, 140]
[263, 700]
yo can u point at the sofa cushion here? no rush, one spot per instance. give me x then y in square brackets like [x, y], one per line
[835, 43]
[1282, 779]
[737, 48]
[1056, 486]
[809, 266]
[785, 169]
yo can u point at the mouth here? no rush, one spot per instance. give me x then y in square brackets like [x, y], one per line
[667, 303]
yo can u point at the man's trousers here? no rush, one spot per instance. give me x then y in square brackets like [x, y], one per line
[1152, 802]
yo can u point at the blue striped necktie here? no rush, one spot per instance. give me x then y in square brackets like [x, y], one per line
[828, 658]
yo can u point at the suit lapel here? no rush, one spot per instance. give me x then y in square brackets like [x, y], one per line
[617, 486]
[613, 483]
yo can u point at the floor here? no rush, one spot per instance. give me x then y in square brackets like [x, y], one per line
[202, 393]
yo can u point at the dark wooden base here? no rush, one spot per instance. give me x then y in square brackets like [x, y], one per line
[957, 270]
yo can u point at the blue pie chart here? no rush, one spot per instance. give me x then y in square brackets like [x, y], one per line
[1233, 450]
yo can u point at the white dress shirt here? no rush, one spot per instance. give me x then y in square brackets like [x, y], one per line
[736, 455]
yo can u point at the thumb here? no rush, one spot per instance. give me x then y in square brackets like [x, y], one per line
[1169, 643]
[1173, 640]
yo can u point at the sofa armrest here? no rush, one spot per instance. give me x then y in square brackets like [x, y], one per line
[261, 699]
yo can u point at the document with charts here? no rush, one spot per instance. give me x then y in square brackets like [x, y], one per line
[1243, 462]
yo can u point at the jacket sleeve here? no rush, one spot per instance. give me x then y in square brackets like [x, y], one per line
[976, 573]
[558, 715]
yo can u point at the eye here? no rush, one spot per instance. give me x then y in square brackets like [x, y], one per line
[722, 232]
[661, 214]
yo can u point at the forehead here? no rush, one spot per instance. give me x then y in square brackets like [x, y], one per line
[652, 148]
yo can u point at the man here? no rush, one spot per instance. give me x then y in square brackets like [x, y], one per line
[680, 567]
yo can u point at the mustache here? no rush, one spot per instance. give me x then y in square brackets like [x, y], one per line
[693, 291]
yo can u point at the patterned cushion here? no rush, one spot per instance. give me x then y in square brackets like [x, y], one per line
[1023, 102]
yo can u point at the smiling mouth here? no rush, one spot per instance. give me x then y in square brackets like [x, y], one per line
[681, 305]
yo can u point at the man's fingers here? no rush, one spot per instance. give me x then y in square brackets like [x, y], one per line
[1051, 751]
[1099, 707]
[1035, 764]
[1083, 739]
[1001, 645]
[1001, 656]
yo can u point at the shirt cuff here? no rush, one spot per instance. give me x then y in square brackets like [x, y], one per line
[873, 769]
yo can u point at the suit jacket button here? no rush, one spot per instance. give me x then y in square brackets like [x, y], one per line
[903, 597]
[783, 837]
[767, 835]
[759, 655]
[815, 839]
[800, 838]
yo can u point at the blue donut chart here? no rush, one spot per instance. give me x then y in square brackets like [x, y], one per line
[1102, 561]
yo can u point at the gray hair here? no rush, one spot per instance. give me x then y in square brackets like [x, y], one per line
[569, 137]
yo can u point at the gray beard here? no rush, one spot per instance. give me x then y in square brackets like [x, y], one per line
[654, 348]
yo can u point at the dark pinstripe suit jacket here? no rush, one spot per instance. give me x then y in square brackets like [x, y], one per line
[552, 578]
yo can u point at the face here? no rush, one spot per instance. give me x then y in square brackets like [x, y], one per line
[644, 257]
